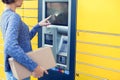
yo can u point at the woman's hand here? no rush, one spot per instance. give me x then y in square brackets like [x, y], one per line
[45, 22]
[39, 72]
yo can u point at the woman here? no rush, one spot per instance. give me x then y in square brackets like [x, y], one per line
[17, 39]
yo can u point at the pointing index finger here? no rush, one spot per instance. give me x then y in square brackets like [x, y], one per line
[48, 18]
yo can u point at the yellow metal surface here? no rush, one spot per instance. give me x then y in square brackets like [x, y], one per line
[30, 21]
[83, 76]
[98, 39]
[31, 13]
[20, 12]
[110, 75]
[99, 61]
[99, 15]
[99, 50]
[1, 7]
[31, 3]
[2, 74]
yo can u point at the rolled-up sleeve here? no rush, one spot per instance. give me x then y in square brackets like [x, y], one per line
[12, 47]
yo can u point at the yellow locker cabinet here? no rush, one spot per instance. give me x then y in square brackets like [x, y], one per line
[98, 40]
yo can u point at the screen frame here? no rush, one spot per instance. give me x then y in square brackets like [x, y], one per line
[61, 22]
[57, 1]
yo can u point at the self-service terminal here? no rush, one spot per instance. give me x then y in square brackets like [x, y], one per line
[58, 35]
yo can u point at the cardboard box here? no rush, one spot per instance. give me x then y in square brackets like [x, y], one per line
[42, 56]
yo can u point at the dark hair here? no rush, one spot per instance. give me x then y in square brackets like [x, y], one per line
[8, 1]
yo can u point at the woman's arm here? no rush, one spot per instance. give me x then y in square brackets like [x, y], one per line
[12, 47]
[34, 31]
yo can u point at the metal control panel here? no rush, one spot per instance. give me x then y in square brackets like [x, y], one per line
[60, 46]
[58, 36]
